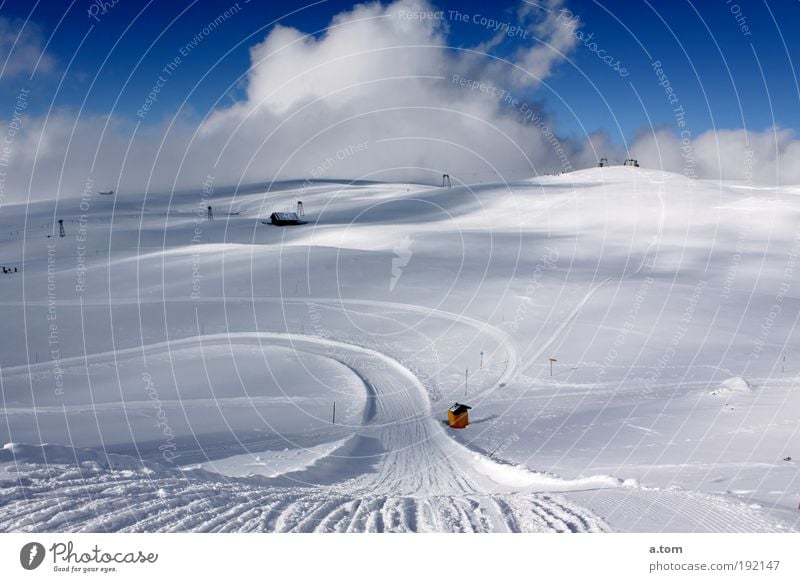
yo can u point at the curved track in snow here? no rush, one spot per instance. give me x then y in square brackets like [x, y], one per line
[500, 336]
[400, 472]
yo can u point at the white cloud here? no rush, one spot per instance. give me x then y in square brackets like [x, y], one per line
[21, 46]
[555, 40]
[380, 74]
[769, 157]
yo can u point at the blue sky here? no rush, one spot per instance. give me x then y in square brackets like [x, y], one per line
[723, 76]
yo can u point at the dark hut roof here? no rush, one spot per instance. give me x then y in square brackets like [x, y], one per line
[459, 408]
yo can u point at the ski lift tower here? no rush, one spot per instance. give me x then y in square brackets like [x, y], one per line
[446, 181]
[602, 163]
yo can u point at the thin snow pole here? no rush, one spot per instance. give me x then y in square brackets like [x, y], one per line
[333, 421]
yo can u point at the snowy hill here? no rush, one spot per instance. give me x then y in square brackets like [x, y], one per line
[191, 366]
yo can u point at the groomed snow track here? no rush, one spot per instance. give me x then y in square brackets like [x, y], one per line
[400, 472]
[109, 502]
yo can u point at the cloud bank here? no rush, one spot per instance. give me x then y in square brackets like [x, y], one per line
[770, 157]
[21, 49]
[379, 95]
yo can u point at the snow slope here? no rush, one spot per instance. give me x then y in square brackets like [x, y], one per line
[189, 367]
